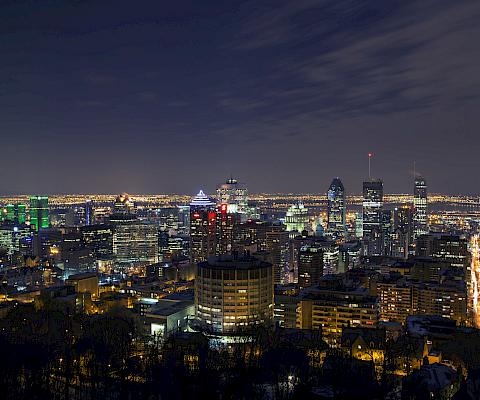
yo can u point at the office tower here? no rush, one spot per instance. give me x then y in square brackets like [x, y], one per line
[337, 210]
[74, 255]
[359, 225]
[167, 219]
[123, 205]
[387, 229]
[250, 236]
[296, 220]
[452, 249]
[295, 246]
[203, 228]
[183, 216]
[372, 217]
[310, 266]
[235, 196]
[349, 255]
[46, 243]
[402, 232]
[135, 242]
[11, 235]
[225, 229]
[89, 212]
[233, 292]
[99, 240]
[420, 221]
[173, 247]
[39, 212]
[276, 243]
[15, 214]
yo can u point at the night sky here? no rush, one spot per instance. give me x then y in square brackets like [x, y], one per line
[172, 96]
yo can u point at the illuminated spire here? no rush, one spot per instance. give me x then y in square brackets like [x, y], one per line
[201, 199]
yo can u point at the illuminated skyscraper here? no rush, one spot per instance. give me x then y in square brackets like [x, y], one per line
[235, 196]
[15, 213]
[226, 223]
[420, 221]
[296, 219]
[39, 212]
[276, 244]
[372, 217]
[336, 217]
[387, 229]
[310, 265]
[135, 242]
[402, 233]
[89, 215]
[203, 224]
[123, 205]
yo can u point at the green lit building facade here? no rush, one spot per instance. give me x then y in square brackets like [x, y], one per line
[39, 212]
[15, 213]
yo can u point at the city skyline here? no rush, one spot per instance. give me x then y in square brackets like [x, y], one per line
[244, 199]
[109, 97]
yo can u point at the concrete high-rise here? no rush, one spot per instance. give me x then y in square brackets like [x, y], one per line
[372, 217]
[336, 213]
[233, 292]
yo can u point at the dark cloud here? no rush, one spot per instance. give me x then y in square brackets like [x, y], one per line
[111, 96]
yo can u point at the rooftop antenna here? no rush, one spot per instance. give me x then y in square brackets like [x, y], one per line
[414, 169]
[370, 155]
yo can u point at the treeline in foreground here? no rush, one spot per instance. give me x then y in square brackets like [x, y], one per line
[48, 353]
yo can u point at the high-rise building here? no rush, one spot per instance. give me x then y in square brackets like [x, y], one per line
[233, 293]
[235, 195]
[123, 205]
[39, 212]
[452, 249]
[89, 212]
[183, 216]
[420, 221]
[74, 255]
[310, 265]
[276, 243]
[203, 228]
[402, 232]
[225, 229]
[296, 219]
[387, 230]
[337, 210]
[372, 217]
[135, 242]
[15, 214]
[11, 235]
[99, 240]
[349, 255]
